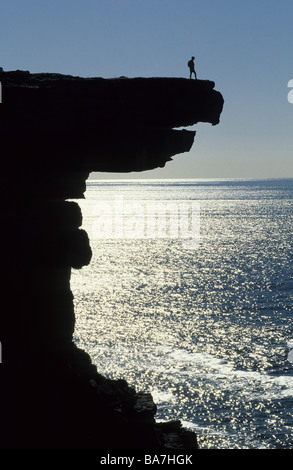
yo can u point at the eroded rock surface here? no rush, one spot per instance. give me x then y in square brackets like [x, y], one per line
[54, 131]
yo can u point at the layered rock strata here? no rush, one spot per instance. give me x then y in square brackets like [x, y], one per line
[54, 131]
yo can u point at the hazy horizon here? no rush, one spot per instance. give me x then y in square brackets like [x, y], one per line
[97, 176]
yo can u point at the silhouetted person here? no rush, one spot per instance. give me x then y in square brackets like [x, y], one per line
[191, 67]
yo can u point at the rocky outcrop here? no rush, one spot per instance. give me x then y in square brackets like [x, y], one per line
[54, 131]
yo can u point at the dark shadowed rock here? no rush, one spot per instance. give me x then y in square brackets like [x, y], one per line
[54, 130]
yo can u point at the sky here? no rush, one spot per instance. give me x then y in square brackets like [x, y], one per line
[245, 47]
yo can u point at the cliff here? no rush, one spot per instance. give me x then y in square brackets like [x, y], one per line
[54, 131]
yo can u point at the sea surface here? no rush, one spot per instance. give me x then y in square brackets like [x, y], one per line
[189, 296]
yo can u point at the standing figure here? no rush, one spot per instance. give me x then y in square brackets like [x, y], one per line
[191, 67]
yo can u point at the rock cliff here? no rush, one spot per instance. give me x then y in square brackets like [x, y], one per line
[54, 130]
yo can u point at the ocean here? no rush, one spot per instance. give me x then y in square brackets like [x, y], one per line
[189, 296]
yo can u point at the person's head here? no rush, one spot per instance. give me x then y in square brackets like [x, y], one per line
[193, 58]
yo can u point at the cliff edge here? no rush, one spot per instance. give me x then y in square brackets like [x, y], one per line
[54, 130]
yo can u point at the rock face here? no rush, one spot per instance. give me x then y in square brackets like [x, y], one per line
[54, 131]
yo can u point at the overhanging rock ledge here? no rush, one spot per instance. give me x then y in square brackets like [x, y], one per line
[54, 130]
